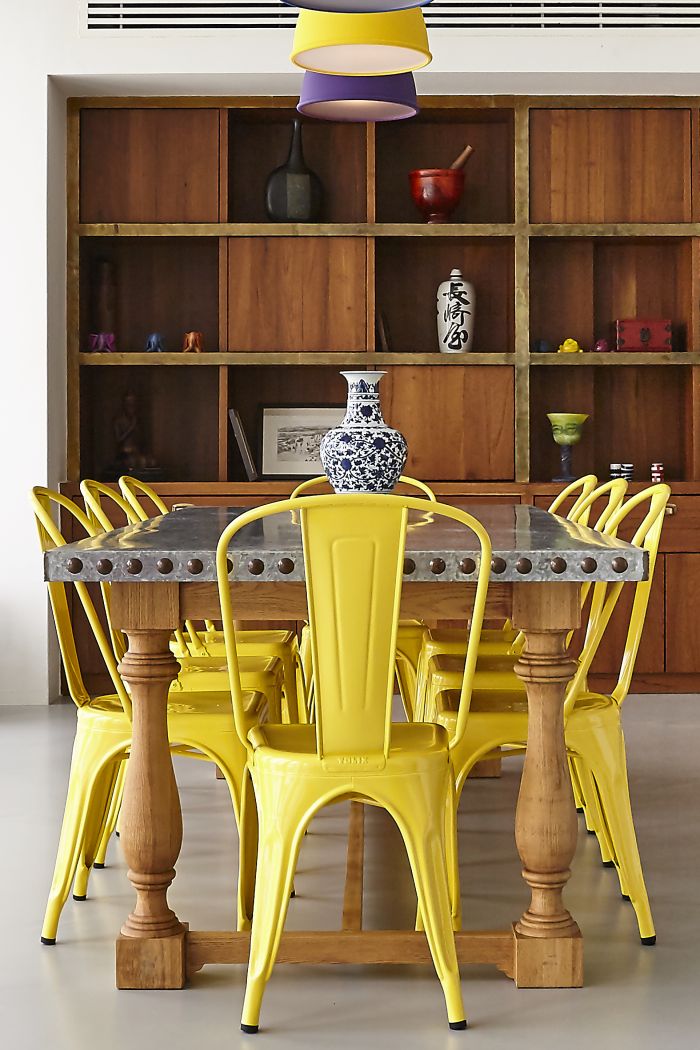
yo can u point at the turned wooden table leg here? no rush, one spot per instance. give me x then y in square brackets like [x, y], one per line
[151, 947]
[548, 941]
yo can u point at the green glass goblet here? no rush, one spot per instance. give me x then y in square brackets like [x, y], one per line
[567, 428]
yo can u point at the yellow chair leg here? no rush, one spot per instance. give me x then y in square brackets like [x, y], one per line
[603, 751]
[87, 763]
[247, 853]
[102, 792]
[112, 816]
[279, 840]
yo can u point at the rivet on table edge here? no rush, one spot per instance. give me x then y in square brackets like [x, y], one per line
[104, 566]
[74, 565]
[134, 566]
[498, 565]
[164, 566]
[409, 566]
[194, 566]
[589, 565]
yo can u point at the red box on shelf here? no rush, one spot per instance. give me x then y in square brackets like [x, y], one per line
[635, 333]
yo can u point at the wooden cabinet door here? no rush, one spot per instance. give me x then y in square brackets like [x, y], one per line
[683, 613]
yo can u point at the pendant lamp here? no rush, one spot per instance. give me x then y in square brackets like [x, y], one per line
[358, 99]
[356, 7]
[361, 45]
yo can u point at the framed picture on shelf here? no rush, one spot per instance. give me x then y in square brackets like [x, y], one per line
[291, 438]
[243, 446]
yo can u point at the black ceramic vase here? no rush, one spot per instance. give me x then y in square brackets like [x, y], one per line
[293, 193]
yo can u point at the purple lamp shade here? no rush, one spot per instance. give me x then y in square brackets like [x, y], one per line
[357, 7]
[358, 99]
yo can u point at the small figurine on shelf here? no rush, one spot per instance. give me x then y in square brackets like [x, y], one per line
[602, 346]
[102, 343]
[193, 343]
[129, 438]
[541, 346]
[567, 428]
[570, 346]
[155, 344]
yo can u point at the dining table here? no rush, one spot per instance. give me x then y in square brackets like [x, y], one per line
[163, 571]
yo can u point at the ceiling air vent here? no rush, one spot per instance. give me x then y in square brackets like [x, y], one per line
[441, 14]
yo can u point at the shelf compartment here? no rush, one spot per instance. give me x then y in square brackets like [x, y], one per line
[259, 142]
[149, 165]
[296, 294]
[459, 424]
[407, 279]
[615, 359]
[167, 286]
[610, 165]
[177, 412]
[434, 140]
[580, 287]
[637, 415]
[302, 358]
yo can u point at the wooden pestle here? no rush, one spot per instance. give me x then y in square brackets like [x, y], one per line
[462, 158]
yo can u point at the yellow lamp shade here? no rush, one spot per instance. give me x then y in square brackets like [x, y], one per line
[361, 45]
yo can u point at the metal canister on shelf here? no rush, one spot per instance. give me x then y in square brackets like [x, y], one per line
[657, 472]
[616, 470]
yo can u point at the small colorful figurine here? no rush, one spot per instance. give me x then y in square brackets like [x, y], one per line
[570, 346]
[541, 346]
[602, 346]
[193, 343]
[102, 342]
[155, 343]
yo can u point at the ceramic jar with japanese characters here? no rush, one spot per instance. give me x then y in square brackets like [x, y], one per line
[456, 302]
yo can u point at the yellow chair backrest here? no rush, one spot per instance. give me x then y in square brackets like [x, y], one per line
[605, 594]
[131, 488]
[353, 558]
[50, 537]
[581, 488]
[615, 490]
[96, 494]
[312, 483]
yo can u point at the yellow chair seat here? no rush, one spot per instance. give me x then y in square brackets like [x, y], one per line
[295, 741]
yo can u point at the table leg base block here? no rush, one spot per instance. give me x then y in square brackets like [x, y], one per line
[487, 769]
[548, 962]
[152, 962]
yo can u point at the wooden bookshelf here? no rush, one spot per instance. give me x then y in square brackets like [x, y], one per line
[576, 211]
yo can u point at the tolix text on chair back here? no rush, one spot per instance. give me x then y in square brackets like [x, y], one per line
[353, 559]
[606, 594]
[50, 537]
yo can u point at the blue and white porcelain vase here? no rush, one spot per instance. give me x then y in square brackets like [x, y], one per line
[363, 454]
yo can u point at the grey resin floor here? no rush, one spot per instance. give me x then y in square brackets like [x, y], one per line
[63, 998]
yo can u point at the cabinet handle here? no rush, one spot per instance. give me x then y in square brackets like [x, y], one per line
[671, 509]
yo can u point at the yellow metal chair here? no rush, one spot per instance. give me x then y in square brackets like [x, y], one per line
[262, 673]
[593, 731]
[103, 732]
[353, 557]
[444, 672]
[411, 632]
[446, 642]
[262, 645]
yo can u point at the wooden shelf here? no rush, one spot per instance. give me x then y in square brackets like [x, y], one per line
[298, 229]
[612, 359]
[348, 359]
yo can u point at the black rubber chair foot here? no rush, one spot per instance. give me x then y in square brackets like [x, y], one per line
[458, 1026]
[293, 893]
[116, 833]
[77, 898]
[249, 1029]
[590, 831]
[606, 864]
[52, 940]
[648, 940]
[579, 809]
[624, 896]
[98, 865]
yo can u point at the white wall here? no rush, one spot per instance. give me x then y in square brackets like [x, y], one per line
[45, 59]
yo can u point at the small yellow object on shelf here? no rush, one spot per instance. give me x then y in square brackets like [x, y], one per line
[570, 346]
